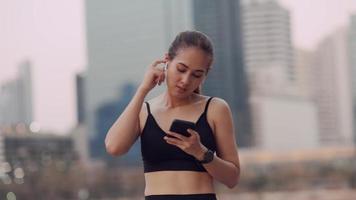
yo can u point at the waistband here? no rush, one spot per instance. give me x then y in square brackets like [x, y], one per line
[208, 196]
[173, 165]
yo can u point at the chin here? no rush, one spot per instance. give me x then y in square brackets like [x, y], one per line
[179, 94]
[182, 95]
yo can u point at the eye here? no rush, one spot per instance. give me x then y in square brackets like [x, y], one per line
[181, 69]
[197, 75]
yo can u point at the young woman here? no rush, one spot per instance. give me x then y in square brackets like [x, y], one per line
[180, 167]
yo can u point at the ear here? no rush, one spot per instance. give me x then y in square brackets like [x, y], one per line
[166, 57]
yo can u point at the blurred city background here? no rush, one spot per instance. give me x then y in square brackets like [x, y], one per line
[287, 69]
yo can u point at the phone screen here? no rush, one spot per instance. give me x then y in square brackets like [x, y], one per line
[181, 126]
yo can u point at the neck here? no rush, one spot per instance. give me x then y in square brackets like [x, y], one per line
[172, 102]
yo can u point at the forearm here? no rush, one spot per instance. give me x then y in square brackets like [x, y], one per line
[224, 171]
[124, 131]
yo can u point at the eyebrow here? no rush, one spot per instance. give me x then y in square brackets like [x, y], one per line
[198, 70]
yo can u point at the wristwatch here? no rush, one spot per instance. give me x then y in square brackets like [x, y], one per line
[208, 157]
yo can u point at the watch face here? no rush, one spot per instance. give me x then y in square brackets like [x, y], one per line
[208, 157]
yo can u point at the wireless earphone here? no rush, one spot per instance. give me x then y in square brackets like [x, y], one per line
[165, 66]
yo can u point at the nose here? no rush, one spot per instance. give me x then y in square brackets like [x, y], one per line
[185, 79]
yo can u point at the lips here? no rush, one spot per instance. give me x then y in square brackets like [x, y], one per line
[181, 89]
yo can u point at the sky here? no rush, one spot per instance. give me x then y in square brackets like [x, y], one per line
[311, 20]
[51, 35]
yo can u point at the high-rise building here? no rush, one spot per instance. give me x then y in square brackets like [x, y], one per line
[105, 116]
[39, 150]
[352, 56]
[279, 90]
[221, 21]
[2, 156]
[16, 98]
[267, 57]
[332, 89]
[79, 136]
[80, 91]
[268, 53]
[275, 118]
[303, 72]
[79, 133]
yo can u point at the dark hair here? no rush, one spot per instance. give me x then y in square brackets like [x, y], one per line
[192, 39]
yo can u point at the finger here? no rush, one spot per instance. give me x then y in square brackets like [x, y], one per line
[156, 81]
[177, 135]
[155, 63]
[165, 66]
[158, 69]
[173, 141]
[193, 132]
[159, 79]
[162, 77]
[157, 72]
[157, 76]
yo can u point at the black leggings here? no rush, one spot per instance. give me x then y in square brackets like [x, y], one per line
[182, 197]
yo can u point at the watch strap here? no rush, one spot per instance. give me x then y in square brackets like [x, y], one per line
[208, 157]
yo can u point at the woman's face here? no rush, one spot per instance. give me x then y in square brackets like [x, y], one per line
[187, 71]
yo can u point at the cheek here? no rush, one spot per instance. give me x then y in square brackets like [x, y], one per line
[172, 77]
[198, 81]
[174, 74]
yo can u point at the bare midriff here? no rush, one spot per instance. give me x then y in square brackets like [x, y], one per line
[178, 182]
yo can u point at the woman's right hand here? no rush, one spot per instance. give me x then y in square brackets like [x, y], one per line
[154, 75]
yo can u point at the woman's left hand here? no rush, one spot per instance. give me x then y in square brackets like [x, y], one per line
[191, 145]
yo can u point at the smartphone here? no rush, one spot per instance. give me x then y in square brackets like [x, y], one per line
[181, 126]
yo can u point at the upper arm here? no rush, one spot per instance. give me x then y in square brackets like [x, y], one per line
[224, 131]
[123, 133]
[142, 118]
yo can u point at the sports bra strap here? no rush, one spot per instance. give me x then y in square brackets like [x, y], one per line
[207, 104]
[148, 107]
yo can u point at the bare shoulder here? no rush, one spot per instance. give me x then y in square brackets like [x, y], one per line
[219, 106]
[219, 116]
[144, 111]
[154, 100]
[142, 117]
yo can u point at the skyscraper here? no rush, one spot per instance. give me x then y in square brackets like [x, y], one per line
[2, 156]
[352, 60]
[16, 97]
[268, 53]
[303, 72]
[332, 89]
[79, 133]
[221, 21]
[80, 91]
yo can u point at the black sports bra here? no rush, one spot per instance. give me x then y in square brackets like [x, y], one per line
[158, 155]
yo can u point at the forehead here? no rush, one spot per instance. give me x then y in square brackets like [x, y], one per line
[193, 57]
